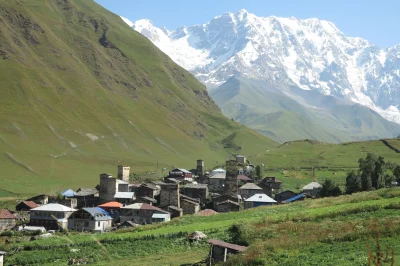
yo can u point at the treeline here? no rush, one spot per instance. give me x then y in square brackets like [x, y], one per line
[373, 173]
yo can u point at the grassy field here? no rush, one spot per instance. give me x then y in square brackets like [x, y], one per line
[329, 231]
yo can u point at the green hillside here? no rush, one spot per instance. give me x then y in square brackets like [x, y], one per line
[327, 231]
[287, 114]
[81, 93]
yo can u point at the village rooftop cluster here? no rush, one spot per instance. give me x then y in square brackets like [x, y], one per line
[116, 203]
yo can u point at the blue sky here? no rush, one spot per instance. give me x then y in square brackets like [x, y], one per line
[376, 21]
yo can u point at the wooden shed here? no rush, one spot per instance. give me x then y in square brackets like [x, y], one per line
[220, 251]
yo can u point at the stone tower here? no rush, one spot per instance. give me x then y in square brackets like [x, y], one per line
[231, 184]
[200, 171]
[123, 173]
[169, 195]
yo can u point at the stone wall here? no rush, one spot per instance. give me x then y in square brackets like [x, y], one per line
[169, 195]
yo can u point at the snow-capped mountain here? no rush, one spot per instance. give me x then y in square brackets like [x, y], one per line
[312, 54]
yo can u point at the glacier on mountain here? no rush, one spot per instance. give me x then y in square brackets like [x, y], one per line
[311, 54]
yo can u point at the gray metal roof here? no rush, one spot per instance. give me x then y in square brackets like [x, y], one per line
[250, 186]
[260, 198]
[160, 215]
[199, 186]
[124, 195]
[83, 192]
[312, 185]
[53, 207]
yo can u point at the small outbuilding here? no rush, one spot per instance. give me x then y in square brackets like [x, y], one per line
[25, 206]
[248, 190]
[313, 189]
[228, 206]
[284, 195]
[220, 251]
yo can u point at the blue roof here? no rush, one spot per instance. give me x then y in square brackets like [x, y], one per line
[68, 193]
[294, 198]
[98, 213]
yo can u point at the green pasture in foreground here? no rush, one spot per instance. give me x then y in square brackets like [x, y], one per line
[295, 231]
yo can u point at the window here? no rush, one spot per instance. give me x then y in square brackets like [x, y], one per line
[98, 224]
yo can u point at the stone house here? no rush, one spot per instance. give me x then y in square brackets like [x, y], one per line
[248, 190]
[142, 213]
[228, 206]
[190, 205]
[216, 182]
[220, 251]
[313, 189]
[148, 190]
[242, 179]
[175, 211]
[109, 186]
[169, 195]
[90, 219]
[25, 206]
[270, 185]
[7, 220]
[258, 200]
[199, 191]
[224, 197]
[87, 197]
[52, 216]
[240, 159]
[147, 200]
[40, 199]
[125, 197]
[284, 195]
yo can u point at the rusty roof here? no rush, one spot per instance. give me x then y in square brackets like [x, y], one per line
[111, 204]
[243, 178]
[6, 214]
[220, 243]
[30, 204]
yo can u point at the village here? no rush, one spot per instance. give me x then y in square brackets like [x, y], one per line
[116, 203]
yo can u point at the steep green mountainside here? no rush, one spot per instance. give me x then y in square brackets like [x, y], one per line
[287, 114]
[81, 93]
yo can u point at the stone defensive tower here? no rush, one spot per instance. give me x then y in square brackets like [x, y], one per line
[123, 173]
[231, 184]
[169, 195]
[200, 171]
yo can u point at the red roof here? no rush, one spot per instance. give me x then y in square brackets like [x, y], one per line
[207, 212]
[227, 245]
[243, 178]
[111, 204]
[6, 214]
[31, 204]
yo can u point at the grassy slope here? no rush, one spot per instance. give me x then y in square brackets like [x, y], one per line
[81, 93]
[302, 233]
[266, 109]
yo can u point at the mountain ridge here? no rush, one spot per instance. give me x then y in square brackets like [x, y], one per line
[312, 54]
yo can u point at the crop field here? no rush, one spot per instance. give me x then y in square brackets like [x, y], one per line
[328, 231]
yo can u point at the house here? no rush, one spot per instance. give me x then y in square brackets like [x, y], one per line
[147, 200]
[313, 189]
[258, 200]
[270, 185]
[142, 213]
[218, 171]
[189, 205]
[216, 182]
[181, 174]
[224, 197]
[127, 224]
[125, 197]
[199, 191]
[228, 206]
[52, 216]
[68, 193]
[169, 195]
[90, 219]
[112, 208]
[7, 219]
[172, 180]
[40, 199]
[220, 251]
[284, 195]
[175, 211]
[87, 197]
[248, 190]
[109, 186]
[25, 206]
[148, 190]
[240, 159]
[2, 254]
[207, 212]
[244, 179]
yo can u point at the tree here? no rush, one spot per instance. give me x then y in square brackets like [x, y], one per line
[330, 189]
[367, 168]
[259, 172]
[353, 182]
[378, 175]
[396, 173]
